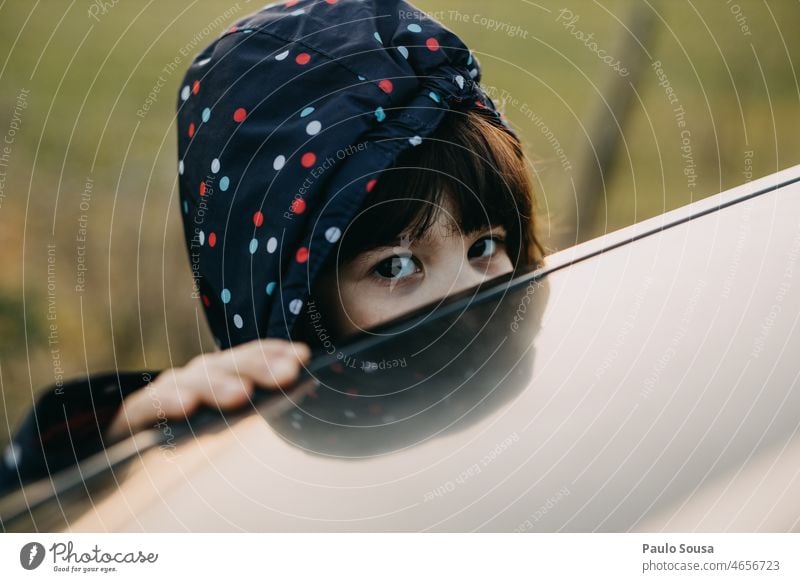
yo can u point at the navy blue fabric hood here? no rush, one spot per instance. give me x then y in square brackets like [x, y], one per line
[284, 124]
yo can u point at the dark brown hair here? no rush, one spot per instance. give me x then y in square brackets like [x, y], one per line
[470, 159]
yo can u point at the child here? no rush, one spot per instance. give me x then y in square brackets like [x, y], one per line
[339, 162]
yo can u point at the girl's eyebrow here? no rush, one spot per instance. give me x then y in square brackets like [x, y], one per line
[405, 242]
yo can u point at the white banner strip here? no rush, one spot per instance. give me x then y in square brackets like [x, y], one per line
[400, 557]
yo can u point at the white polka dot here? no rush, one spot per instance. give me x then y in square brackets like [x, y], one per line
[185, 92]
[332, 234]
[237, 321]
[473, 73]
[281, 56]
[279, 162]
[272, 244]
[202, 237]
[215, 165]
[180, 167]
[459, 81]
[313, 127]
[12, 455]
[295, 305]
[298, 12]
[203, 62]
[415, 141]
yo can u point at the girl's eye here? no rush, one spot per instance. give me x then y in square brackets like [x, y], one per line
[484, 248]
[396, 267]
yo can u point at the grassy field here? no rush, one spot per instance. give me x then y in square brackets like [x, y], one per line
[95, 273]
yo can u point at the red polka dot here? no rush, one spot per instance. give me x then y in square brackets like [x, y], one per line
[432, 44]
[196, 87]
[258, 218]
[239, 115]
[481, 105]
[191, 129]
[302, 58]
[233, 28]
[290, 3]
[371, 184]
[212, 239]
[308, 159]
[386, 86]
[206, 301]
[202, 188]
[302, 255]
[331, 1]
[298, 206]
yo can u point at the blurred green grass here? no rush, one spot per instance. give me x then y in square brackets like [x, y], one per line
[88, 77]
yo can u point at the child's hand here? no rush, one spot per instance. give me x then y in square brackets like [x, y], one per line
[223, 379]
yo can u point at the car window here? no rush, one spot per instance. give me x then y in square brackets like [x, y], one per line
[428, 374]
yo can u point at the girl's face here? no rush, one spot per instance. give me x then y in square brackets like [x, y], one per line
[381, 283]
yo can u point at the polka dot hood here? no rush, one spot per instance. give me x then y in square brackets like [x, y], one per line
[285, 123]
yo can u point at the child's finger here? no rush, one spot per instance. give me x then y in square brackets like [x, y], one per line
[226, 392]
[243, 358]
[159, 399]
[268, 367]
[273, 372]
[274, 347]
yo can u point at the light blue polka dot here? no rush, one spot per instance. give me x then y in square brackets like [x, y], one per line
[433, 95]
[307, 111]
[414, 28]
[380, 114]
[206, 114]
[378, 37]
[237, 321]
[185, 207]
[469, 60]
[225, 296]
[253, 246]
[270, 287]
[362, 78]
[224, 183]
